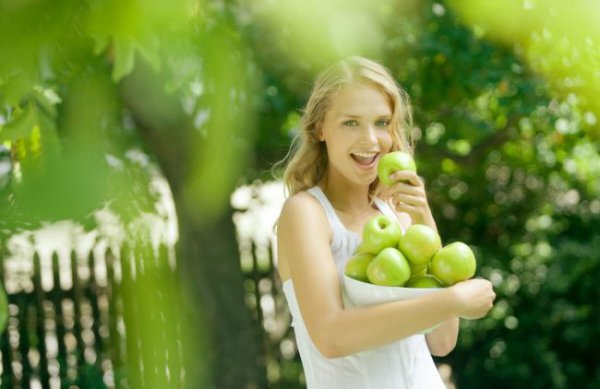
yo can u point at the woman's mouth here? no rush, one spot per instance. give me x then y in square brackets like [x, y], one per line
[365, 159]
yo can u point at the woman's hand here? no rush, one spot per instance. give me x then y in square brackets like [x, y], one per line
[474, 297]
[407, 194]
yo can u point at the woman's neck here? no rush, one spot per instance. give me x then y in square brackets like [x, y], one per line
[346, 197]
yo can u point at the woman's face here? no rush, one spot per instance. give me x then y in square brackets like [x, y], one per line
[356, 132]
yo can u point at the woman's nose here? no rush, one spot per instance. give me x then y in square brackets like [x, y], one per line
[370, 133]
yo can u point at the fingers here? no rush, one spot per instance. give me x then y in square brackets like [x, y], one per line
[403, 188]
[414, 210]
[404, 181]
[477, 297]
[382, 192]
[407, 195]
[412, 203]
[409, 199]
[408, 183]
[406, 208]
[407, 176]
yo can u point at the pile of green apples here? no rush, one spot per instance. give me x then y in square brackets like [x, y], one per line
[414, 258]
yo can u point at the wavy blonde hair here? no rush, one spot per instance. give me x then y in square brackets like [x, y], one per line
[307, 158]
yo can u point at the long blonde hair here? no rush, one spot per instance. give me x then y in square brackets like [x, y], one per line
[307, 158]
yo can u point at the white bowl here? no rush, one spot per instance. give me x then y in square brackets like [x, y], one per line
[363, 293]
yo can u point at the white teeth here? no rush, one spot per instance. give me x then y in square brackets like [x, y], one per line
[365, 155]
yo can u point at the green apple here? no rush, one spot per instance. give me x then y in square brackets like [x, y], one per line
[423, 281]
[389, 268]
[417, 270]
[360, 249]
[453, 263]
[393, 162]
[356, 267]
[419, 243]
[379, 232]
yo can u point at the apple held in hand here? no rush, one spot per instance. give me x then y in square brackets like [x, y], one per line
[423, 281]
[389, 268]
[419, 243]
[380, 232]
[356, 267]
[393, 162]
[453, 263]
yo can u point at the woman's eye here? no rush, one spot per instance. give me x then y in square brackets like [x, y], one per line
[350, 123]
[382, 123]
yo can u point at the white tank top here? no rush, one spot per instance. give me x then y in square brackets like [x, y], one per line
[406, 364]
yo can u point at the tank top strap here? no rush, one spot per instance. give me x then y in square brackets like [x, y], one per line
[332, 217]
[384, 208]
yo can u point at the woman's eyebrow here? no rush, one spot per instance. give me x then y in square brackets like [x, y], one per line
[358, 116]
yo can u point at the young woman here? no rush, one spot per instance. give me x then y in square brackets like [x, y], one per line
[355, 114]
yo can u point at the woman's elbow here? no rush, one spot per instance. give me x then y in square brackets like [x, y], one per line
[327, 340]
[442, 348]
[329, 345]
[329, 349]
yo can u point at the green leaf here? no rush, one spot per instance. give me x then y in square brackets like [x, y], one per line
[50, 141]
[19, 127]
[46, 100]
[124, 58]
[149, 49]
[15, 86]
[100, 43]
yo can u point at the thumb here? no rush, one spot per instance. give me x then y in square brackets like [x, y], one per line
[381, 192]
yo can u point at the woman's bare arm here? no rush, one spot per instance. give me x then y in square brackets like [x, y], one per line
[303, 244]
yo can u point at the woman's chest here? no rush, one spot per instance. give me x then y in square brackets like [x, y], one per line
[356, 222]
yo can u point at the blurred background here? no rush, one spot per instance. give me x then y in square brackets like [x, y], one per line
[137, 197]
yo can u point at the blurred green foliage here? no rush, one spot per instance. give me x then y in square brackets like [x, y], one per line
[93, 96]
[506, 108]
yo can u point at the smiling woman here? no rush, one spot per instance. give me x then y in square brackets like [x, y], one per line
[362, 139]
[307, 159]
[355, 115]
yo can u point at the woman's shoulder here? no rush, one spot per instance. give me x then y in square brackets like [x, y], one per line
[303, 223]
[301, 202]
[302, 209]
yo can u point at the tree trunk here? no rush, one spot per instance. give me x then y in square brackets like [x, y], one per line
[208, 259]
[211, 267]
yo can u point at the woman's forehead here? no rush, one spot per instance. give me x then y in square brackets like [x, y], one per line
[360, 100]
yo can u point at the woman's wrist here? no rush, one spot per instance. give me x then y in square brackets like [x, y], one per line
[425, 218]
[451, 301]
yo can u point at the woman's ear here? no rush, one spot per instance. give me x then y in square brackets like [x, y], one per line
[320, 135]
